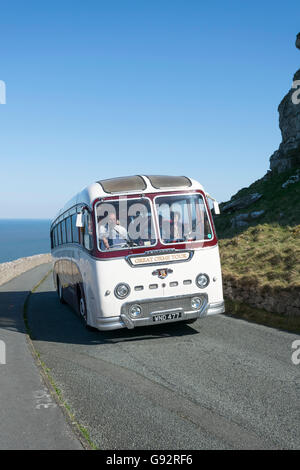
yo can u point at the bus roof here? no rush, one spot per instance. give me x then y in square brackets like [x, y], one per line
[130, 185]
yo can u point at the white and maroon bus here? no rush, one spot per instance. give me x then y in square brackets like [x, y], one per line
[138, 250]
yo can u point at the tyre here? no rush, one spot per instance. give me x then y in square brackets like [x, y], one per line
[60, 292]
[83, 310]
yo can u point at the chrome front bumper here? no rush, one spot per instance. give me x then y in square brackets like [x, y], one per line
[217, 307]
[125, 321]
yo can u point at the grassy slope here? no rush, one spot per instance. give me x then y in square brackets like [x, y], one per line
[267, 253]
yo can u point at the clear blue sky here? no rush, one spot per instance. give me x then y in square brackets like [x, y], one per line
[97, 89]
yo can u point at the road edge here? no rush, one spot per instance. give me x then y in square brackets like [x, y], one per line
[77, 429]
[10, 270]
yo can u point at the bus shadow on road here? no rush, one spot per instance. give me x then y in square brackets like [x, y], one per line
[49, 320]
[11, 310]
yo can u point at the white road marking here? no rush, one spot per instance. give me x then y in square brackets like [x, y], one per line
[43, 400]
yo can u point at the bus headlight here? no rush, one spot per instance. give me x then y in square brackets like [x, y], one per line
[135, 311]
[202, 280]
[122, 290]
[196, 303]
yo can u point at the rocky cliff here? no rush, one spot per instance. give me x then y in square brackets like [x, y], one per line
[259, 229]
[288, 154]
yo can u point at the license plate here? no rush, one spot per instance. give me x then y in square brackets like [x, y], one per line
[166, 316]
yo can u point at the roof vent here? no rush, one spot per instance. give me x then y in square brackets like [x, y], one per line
[160, 182]
[123, 184]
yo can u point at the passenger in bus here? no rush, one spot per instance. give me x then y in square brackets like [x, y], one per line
[164, 227]
[146, 233]
[171, 229]
[176, 227]
[112, 233]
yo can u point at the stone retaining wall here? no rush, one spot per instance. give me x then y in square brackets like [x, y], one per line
[14, 268]
[285, 301]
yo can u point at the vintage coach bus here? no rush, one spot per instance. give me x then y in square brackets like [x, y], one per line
[138, 250]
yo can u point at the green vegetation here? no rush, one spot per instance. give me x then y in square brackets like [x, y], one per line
[68, 410]
[281, 205]
[263, 255]
[267, 256]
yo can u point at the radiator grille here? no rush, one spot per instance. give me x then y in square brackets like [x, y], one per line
[179, 303]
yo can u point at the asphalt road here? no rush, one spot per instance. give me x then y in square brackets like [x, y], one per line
[220, 383]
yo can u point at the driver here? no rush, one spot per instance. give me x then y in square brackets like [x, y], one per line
[112, 233]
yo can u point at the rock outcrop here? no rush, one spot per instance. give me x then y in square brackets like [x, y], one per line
[243, 220]
[292, 179]
[288, 154]
[240, 203]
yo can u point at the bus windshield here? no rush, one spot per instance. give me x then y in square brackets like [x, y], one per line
[125, 223]
[129, 223]
[182, 218]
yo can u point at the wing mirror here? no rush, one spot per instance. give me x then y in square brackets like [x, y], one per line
[215, 204]
[216, 208]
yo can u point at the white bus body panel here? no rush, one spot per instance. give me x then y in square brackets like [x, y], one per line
[101, 276]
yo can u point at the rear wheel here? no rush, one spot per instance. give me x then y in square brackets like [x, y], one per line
[83, 311]
[82, 308]
[60, 292]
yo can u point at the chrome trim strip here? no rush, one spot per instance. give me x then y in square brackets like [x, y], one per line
[216, 307]
[168, 310]
[161, 252]
[110, 323]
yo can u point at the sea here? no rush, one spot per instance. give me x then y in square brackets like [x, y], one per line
[23, 237]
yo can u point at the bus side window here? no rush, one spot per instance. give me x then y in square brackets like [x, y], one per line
[63, 232]
[55, 236]
[69, 230]
[59, 234]
[74, 229]
[87, 231]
